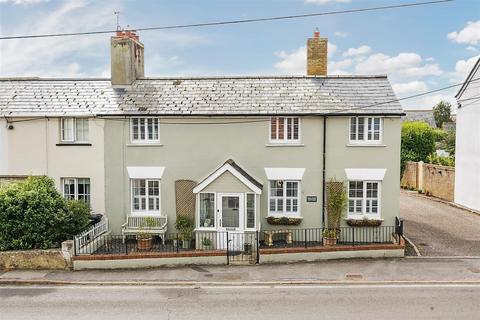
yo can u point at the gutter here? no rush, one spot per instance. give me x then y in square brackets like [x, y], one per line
[324, 155]
[339, 114]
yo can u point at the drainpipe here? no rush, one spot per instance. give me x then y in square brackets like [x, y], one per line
[323, 168]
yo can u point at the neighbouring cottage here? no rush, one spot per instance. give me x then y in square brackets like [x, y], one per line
[229, 152]
[467, 149]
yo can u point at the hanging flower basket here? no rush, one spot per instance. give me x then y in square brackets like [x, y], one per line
[284, 221]
[364, 222]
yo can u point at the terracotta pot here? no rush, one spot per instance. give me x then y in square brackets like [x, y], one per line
[329, 241]
[144, 244]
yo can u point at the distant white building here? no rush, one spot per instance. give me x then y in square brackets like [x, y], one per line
[467, 162]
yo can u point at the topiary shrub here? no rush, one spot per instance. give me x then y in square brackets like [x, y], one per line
[34, 215]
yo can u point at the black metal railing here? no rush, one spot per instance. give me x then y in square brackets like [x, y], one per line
[241, 246]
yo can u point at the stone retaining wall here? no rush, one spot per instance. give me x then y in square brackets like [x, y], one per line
[33, 259]
[431, 179]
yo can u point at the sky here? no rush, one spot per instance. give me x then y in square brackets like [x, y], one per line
[419, 48]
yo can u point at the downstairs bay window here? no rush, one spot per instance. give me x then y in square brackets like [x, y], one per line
[363, 199]
[207, 210]
[284, 197]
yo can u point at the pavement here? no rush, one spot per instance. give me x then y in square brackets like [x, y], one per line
[361, 271]
[286, 302]
[439, 229]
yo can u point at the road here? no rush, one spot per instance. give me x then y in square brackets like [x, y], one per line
[307, 302]
[438, 229]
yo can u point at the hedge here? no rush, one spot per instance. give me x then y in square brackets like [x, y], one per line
[34, 215]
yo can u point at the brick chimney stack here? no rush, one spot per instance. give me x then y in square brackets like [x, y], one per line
[317, 55]
[127, 59]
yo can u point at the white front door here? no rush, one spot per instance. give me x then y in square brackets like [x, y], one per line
[231, 213]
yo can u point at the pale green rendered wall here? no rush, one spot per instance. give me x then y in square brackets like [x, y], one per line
[194, 151]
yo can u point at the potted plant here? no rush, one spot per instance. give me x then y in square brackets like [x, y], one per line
[336, 205]
[185, 226]
[144, 238]
[206, 243]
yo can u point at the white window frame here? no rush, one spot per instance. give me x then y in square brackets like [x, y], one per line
[146, 140]
[74, 130]
[75, 194]
[254, 211]
[366, 131]
[285, 139]
[364, 214]
[284, 212]
[215, 215]
[147, 211]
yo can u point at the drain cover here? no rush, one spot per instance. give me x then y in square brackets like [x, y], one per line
[353, 276]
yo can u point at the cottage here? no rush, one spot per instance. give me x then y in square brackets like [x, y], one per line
[231, 153]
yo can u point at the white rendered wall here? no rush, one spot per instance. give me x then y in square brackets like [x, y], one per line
[467, 162]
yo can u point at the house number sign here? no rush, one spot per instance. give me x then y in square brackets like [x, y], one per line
[311, 198]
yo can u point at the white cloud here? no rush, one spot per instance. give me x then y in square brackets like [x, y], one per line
[54, 57]
[403, 64]
[292, 63]
[463, 68]
[322, 2]
[341, 34]
[471, 49]
[83, 56]
[409, 87]
[295, 62]
[469, 35]
[23, 2]
[362, 50]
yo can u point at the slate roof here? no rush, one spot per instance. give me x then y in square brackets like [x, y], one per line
[256, 95]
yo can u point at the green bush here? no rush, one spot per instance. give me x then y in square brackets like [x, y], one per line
[418, 142]
[443, 161]
[34, 215]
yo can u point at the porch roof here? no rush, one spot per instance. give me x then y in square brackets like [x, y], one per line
[234, 169]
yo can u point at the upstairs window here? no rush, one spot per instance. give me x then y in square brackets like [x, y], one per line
[74, 130]
[363, 198]
[144, 130]
[285, 129]
[284, 197]
[76, 189]
[365, 130]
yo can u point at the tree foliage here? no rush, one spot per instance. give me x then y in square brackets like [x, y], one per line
[447, 142]
[418, 141]
[34, 215]
[442, 113]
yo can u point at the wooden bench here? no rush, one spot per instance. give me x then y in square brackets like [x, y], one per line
[270, 233]
[135, 225]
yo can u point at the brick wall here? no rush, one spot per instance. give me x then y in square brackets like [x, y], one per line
[432, 179]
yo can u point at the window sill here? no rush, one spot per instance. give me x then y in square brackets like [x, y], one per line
[286, 215]
[366, 145]
[205, 229]
[85, 144]
[284, 145]
[144, 145]
[145, 214]
[364, 217]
